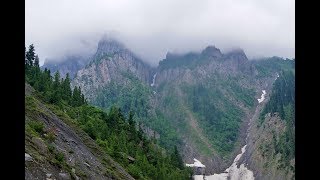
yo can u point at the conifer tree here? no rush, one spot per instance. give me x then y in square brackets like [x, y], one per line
[25, 56]
[36, 61]
[176, 158]
[56, 88]
[56, 82]
[67, 93]
[30, 55]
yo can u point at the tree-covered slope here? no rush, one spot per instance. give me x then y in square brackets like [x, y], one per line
[64, 133]
[200, 102]
[207, 96]
[273, 145]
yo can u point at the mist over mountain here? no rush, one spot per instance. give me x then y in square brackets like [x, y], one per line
[67, 64]
[160, 89]
[153, 29]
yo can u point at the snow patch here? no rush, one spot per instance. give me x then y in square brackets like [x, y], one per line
[154, 79]
[233, 172]
[262, 96]
[196, 163]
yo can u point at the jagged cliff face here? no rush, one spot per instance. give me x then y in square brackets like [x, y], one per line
[263, 158]
[111, 62]
[225, 83]
[201, 102]
[271, 140]
[204, 64]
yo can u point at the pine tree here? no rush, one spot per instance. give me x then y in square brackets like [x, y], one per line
[67, 93]
[130, 119]
[176, 158]
[25, 56]
[36, 61]
[83, 100]
[30, 55]
[56, 88]
[56, 82]
[76, 97]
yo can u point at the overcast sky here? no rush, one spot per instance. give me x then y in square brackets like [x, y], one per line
[151, 28]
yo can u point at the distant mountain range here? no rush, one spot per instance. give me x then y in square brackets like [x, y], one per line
[200, 101]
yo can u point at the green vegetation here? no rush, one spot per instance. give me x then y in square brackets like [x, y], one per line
[36, 126]
[135, 96]
[282, 101]
[219, 118]
[53, 90]
[267, 66]
[119, 136]
[174, 112]
[131, 97]
[283, 94]
[126, 143]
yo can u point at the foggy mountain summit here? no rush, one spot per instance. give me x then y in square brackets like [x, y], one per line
[141, 89]
[200, 101]
[66, 64]
[212, 51]
[108, 45]
[153, 28]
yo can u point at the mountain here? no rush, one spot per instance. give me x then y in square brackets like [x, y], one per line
[111, 63]
[67, 64]
[208, 97]
[272, 144]
[206, 103]
[66, 138]
[200, 101]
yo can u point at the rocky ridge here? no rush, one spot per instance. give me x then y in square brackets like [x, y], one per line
[115, 63]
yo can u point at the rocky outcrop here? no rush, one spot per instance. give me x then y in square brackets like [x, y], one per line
[261, 157]
[108, 46]
[111, 62]
[270, 137]
[69, 154]
[204, 64]
[211, 52]
[229, 74]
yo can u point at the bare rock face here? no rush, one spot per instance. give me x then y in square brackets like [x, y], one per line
[64, 176]
[80, 152]
[262, 158]
[27, 157]
[108, 46]
[193, 66]
[111, 62]
[40, 145]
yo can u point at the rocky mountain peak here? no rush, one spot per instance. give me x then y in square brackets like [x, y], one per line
[171, 55]
[237, 54]
[111, 62]
[108, 46]
[211, 51]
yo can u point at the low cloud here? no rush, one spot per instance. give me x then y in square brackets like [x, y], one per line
[151, 28]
